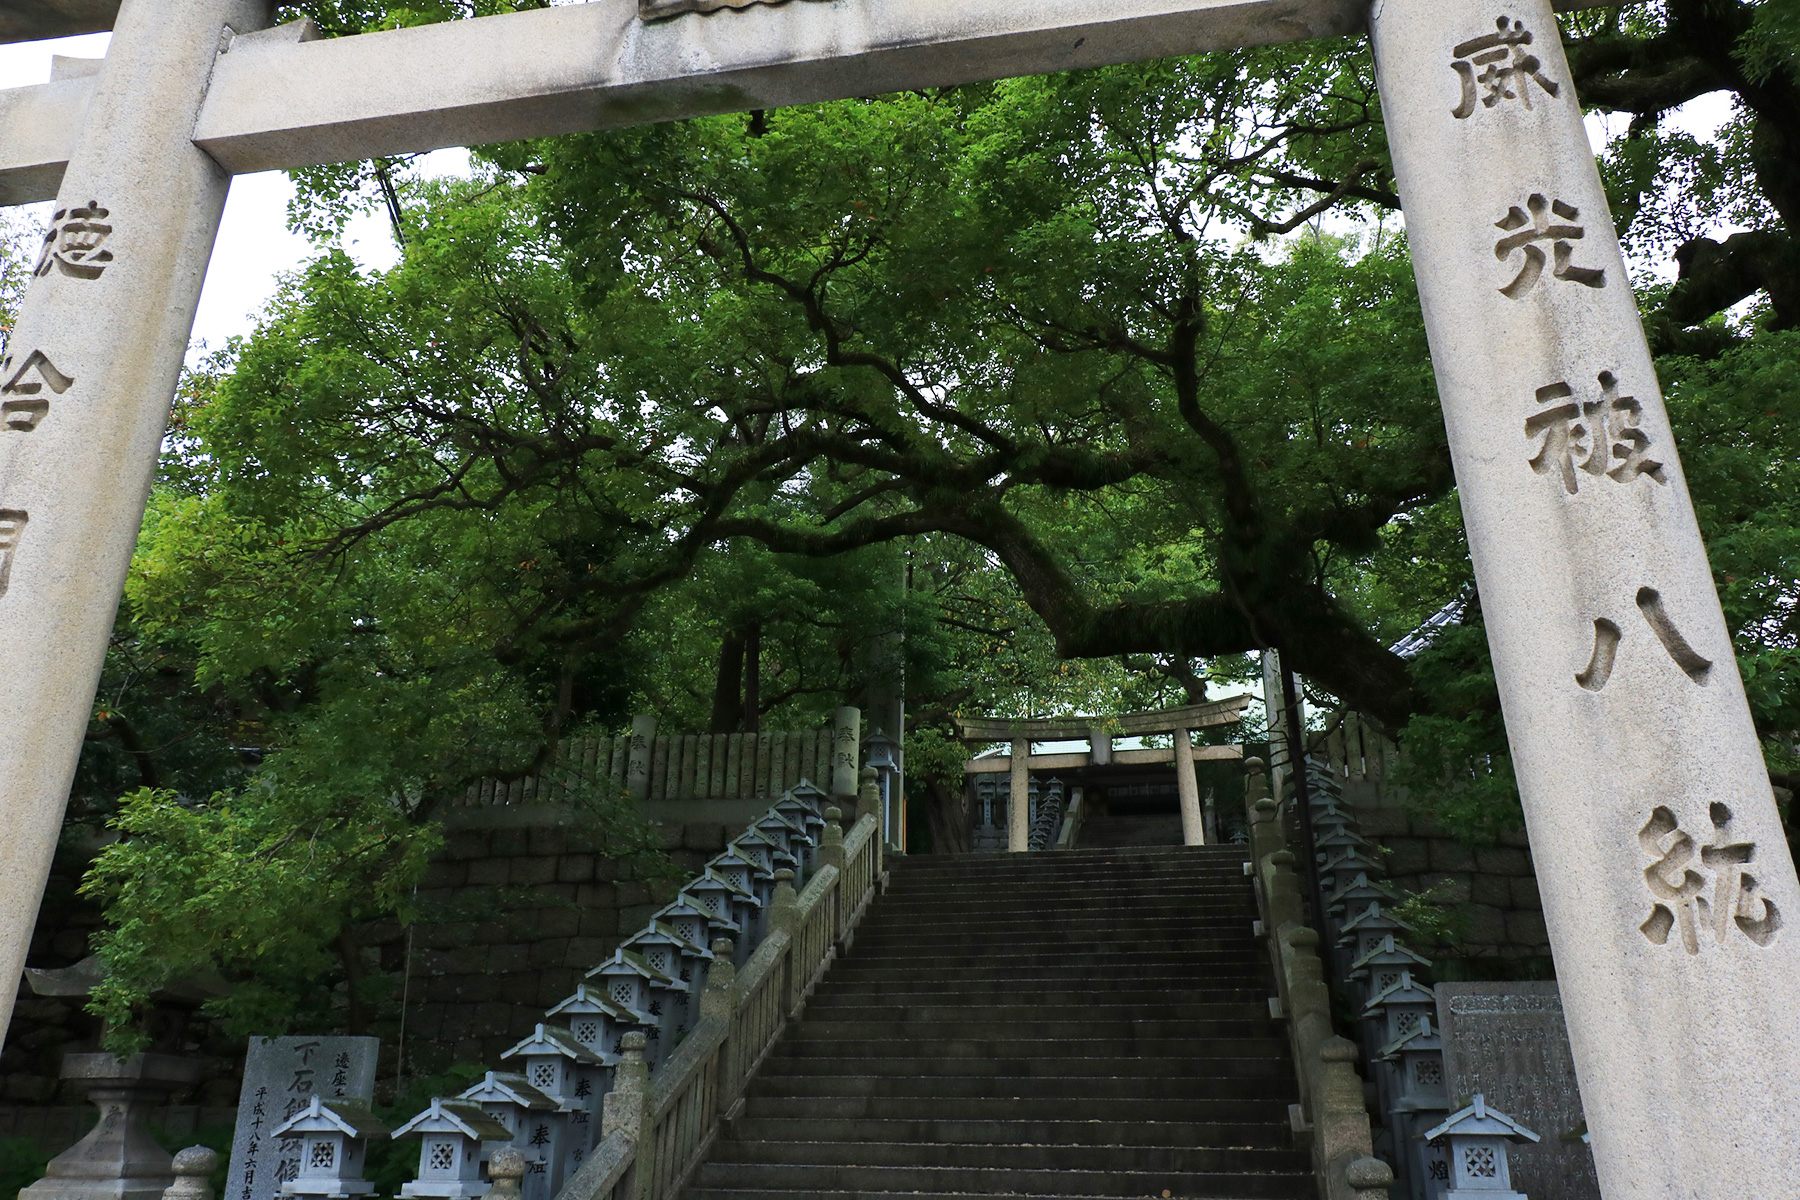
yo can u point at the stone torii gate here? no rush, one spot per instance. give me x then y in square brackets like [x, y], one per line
[1665, 876]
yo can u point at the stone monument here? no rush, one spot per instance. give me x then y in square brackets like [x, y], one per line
[281, 1076]
[1507, 1041]
[118, 1159]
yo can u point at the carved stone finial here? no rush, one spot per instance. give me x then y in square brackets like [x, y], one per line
[507, 1169]
[784, 875]
[833, 813]
[1368, 1173]
[193, 1174]
[1337, 1050]
[1254, 765]
[723, 948]
[635, 1042]
[1282, 858]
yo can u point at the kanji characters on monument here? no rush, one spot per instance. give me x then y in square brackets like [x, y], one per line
[1599, 437]
[23, 403]
[76, 242]
[1525, 227]
[1495, 67]
[1703, 906]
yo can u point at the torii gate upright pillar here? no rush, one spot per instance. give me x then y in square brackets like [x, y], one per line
[84, 401]
[1660, 855]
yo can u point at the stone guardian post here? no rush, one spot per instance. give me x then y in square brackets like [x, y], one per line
[84, 401]
[1667, 884]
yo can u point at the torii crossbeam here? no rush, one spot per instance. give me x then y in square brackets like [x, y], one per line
[1660, 854]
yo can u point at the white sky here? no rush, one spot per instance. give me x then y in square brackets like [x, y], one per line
[254, 244]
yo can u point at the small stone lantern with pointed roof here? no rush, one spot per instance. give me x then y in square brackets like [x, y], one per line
[1379, 969]
[568, 1072]
[535, 1121]
[630, 980]
[1364, 931]
[1356, 892]
[452, 1133]
[734, 909]
[791, 832]
[768, 849]
[804, 804]
[1418, 1061]
[749, 875]
[600, 1025]
[683, 961]
[333, 1139]
[1399, 1008]
[1478, 1138]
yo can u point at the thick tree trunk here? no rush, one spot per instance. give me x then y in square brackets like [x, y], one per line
[947, 819]
[727, 706]
[753, 678]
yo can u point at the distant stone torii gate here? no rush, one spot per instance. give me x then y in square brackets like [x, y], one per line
[1665, 876]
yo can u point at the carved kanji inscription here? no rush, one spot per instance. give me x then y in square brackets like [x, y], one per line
[22, 400]
[1549, 221]
[1599, 437]
[1712, 901]
[12, 528]
[76, 242]
[1496, 67]
[1608, 635]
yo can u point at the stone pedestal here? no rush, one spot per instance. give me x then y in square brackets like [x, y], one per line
[118, 1159]
[1661, 859]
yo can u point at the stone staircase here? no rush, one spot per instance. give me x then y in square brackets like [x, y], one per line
[1082, 1023]
[1131, 829]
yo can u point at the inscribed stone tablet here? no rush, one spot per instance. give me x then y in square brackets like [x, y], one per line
[280, 1076]
[1508, 1041]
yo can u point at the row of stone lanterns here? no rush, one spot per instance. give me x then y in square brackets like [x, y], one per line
[1438, 1154]
[632, 1007]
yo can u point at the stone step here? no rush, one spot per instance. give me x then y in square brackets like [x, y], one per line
[965, 1028]
[1248, 1062]
[840, 1012]
[799, 1179]
[1248, 1112]
[779, 1080]
[708, 1193]
[862, 1051]
[819, 1127]
[1002, 1155]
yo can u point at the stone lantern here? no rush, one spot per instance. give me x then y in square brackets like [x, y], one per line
[1414, 1098]
[708, 900]
[333, 1139]
[535, 1122]
[792, 836]
[452, 1133]
[1379, 969]
[882, 753]
[1356, 893]
[568, 1072]
[804, 805]
[632, 982]
[734, 909]
[748, 873]
[688, 922]
[1398, 1009]
[1478, 1137]
[768, 849]
[595, 1021]
[683, 961]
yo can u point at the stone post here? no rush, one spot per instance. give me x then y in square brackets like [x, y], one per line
[624, 1110]
[831, 847]
[506, 1168]
[637, 760]
[868, 803]
[784, 914]
[846, 736]
[1018, 797]
[717, 997]
[193, 1174]
[91, 364]
[1193, 826]
[1660, 855]
[1277, 718]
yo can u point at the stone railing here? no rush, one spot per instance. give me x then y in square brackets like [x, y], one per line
[1331, 1114]
[694, 766]
[657, 1127]
[1071, 822]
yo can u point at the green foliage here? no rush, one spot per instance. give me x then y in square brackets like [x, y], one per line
[1435, 915]
[21, 1164]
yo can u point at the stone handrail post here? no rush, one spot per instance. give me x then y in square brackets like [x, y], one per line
[1341, 1127]
[623, 1110]
[507, 1170]
[868, 803]
[831, 847]
[193, 1174]
[721, 979]
[784, 917]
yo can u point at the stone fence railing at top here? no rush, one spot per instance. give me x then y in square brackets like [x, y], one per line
[704, 766]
